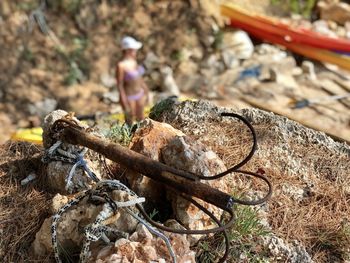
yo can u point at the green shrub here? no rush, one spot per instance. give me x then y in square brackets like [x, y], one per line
[303, 7]
[242, 236]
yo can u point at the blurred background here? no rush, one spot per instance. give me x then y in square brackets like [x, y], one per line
[62, 55]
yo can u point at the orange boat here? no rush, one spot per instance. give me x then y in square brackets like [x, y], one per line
[301, 41]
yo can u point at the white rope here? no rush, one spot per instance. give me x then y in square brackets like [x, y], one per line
[54, 147]
[97, 230]
[132, 202]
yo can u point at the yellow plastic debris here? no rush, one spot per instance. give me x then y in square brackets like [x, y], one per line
[33, 135]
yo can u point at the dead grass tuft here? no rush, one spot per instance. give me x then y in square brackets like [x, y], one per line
[22, 208]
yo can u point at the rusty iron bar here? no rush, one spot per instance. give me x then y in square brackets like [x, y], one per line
[179, 180]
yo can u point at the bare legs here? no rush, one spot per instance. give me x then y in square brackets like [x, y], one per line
[136, 110]
[140, 105]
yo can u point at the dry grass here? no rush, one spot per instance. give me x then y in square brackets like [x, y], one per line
[320, 219]
[22, 208]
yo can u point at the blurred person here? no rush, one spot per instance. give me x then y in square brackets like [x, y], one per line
[133, 91]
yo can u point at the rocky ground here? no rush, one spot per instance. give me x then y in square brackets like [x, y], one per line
[67, 62]
[306, 219]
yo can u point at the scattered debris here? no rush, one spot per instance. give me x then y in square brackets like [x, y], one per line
[29, 178]
[308, 102]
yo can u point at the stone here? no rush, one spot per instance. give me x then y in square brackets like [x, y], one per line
[186, 113]
[111, 97]
[17, 22]
[189, 83]
[152, 61]
[337, 12]
[161, 142]
[142, 18]
[42, 243]
[67, 230]
[160, 96]
[42, 108]
[197, 119]
[340, 31]
[127, 250]
[141, 234]
[187, 77]
[122, 221]
[271, 53]
[108, 80]
[39, 74]
[309, 68]
[196, 53]
[144, 247]
[287, 80]
[57, 202]
[238, 43]
[5, 8]
[151, 137]
[169, 85]
[103, 10]
[217, 86]
[58, 171]
[72, 222]
[7, 127]
[86, 17]
[186, 154]
[101, 67]
[347, 28]
[148, 140]
[156, 77]
[230, 59]
[49, 120]
[280, 250]
[105, 252]
[321, 26]
[212, 8]
[187, 67]
[214, 62]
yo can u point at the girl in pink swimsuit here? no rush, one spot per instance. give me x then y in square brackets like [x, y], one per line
[132, 88]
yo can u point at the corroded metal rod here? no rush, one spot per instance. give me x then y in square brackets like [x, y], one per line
[181, 181]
